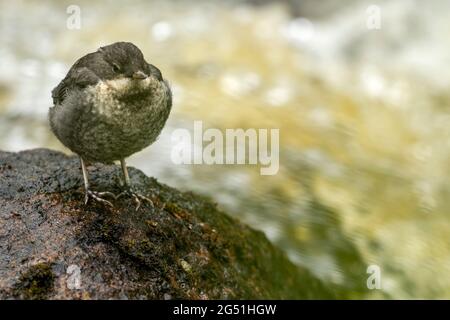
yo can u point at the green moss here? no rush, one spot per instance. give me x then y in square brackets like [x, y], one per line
[36, 283]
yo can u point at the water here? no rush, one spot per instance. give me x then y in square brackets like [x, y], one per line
[363, 118]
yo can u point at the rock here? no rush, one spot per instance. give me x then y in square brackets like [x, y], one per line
[52, 246]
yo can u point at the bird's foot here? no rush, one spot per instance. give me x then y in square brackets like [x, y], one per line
[137, 197]
[98, 196]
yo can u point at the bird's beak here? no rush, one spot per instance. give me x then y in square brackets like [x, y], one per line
[139, 75]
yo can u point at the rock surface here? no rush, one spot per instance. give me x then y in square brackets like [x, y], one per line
[52, 246]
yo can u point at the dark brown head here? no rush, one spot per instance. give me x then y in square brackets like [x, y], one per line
[126, 60]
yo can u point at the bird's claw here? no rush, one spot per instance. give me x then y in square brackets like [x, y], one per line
[97, 196]
[137, 197]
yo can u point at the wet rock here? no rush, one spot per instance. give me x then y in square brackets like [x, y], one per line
[52, 246]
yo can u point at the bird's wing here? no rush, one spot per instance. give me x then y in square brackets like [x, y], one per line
[78, 77]
[59, 92]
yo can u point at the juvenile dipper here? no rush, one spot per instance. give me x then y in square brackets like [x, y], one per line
[110, 105]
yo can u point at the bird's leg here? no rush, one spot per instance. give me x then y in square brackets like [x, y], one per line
[129, 189]
[97, 196]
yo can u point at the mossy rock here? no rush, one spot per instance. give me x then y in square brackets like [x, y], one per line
[181, 247]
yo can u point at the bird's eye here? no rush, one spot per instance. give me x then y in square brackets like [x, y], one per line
[116, 67]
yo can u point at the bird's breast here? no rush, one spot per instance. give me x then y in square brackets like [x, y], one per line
[115, 99]
[128, 117]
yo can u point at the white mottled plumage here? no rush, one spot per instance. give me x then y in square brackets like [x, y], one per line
[129, 115]
[105, 95]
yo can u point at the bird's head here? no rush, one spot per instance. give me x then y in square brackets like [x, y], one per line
[127, 61]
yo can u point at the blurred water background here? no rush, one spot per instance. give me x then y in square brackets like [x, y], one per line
[363, 116]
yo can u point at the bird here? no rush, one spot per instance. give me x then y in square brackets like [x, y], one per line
[111, 104]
